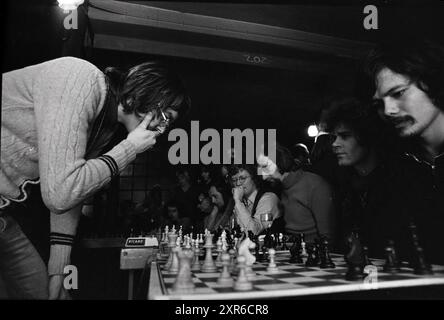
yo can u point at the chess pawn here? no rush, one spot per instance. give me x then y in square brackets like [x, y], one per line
[242, 283]
[219, 253]
[184, 281]
[232, 267]
[296, 251]
[303, 246]
[225, 278]
[171, 244]
[391, 261]
[196, 263]
[312, 256]
[420, 266]
[208, 265]
[272, 267]
[174, 268]
[326, 261]
[367, 260]
[284, 242]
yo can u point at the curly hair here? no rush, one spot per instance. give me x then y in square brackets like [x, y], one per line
[359, 117]
[422, 61]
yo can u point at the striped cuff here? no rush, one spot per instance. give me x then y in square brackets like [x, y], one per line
[111, 163]
[61, 238]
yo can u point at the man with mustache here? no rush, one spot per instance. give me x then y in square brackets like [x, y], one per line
[405, 82]
[380, 192]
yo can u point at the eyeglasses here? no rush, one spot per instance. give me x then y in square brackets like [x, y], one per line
[240, 179]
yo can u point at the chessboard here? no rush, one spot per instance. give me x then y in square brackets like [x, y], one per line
[291, 280]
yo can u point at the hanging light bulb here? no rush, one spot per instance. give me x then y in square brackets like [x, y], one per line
[67, 5]
[312, 131]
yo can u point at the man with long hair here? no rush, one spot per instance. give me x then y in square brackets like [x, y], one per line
[58, 118]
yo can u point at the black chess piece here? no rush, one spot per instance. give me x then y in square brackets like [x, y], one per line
[313, 255]
[420, 265]
[391, 259]
[326, 261]
[354, 258]
[277, 241]
[417, 258]
[284, 242]
[367, 260]
[296, 250]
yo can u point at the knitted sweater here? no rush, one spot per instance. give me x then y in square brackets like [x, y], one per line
[304, 192]
[47, 113]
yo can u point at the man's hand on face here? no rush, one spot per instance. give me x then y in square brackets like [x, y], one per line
[238, 193]
[142, 138]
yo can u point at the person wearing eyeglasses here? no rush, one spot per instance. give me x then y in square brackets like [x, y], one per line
[58, 119]
[255, 209]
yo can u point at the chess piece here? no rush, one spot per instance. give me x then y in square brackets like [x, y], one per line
[232, 266]
[367, 260]
[219, 250]
[354, 259]
[171, 244]
[417, 259]
[187, 243]
[391, 259]
[312, 255]
[225, 278]
[174, 268]
[420, 266]
[303, 246]
[196, 264]
[244, 250]
[268, 240]
[184, 281]
[296, 250]
[242, 283]
[272, 267]
[208, 265]
[284, 242]
[326, 261]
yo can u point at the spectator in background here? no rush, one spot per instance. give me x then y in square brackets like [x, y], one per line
[185, 195]
[222, 212]
[306, 198]
[205, 178]
[251, 202]
[322, 159]
[205, 207]
[300, 155]
[173, 216]
[151, 209]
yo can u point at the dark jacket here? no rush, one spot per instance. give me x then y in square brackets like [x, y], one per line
[383, 204]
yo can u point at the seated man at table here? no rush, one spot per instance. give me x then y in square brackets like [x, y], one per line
[251, 203]
[404, 79]
[306, 198]
[173, 217]
[380, 192]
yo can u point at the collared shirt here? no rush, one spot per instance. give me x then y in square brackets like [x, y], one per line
[268, 203]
